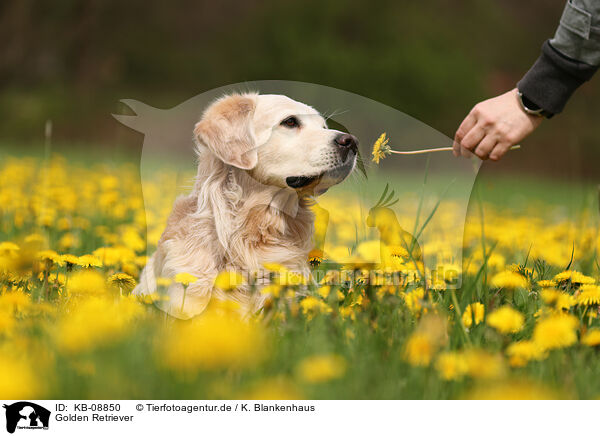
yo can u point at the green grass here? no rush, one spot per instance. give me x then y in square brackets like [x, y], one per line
[371, 342]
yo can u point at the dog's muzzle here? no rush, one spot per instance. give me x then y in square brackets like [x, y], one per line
[346, 143]
[347, 146]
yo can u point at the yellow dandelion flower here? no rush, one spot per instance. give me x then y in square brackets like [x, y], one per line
[274, 267]
[589, 295]
[185, 279]
[311, 306]
[275, 388]
[96, 322]
[384, 290]
[68, 241]
[331, 277]
[213, 341]
[591, 338]
[473, 314]
[152, 298]
[315, 257]
[131, 269]
[419, 349]
[574, 277]
[131, 239]
[141, 261]
[511, 390]
[546, 283]
[290, 278]
[324, 291]
[228, 280]
[506, 320]
[36, 239]
[19, 378]
[113, 256]
[560, 300]
[271, 289]
[413, 299]
[87, 282]
[51, 257]
[483, 364]
[398, 251]
[451, 365]
[520, 353]
[381, 148]
[89, 261]
[556, 331]
[509, 280]
[7, 323]
[321, 368]
[520, 269]
[69, 259]
[438, 285]
[11, 257]
[9, 249]
[15, 302]
[348, 312]
[122, 281]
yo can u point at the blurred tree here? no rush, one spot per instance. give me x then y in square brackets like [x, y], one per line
[72, 61]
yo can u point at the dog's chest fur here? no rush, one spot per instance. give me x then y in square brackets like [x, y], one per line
[240, 231]
[228, 223]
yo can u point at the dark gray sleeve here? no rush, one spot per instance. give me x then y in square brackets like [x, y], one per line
[567, 60]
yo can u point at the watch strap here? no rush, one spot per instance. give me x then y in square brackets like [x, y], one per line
[531, 108]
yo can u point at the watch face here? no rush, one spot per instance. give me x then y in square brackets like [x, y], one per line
[529, 104]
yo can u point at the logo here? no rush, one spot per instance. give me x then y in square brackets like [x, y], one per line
[26, 415]
[168, 139]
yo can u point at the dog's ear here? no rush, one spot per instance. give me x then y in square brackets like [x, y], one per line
[226, 128]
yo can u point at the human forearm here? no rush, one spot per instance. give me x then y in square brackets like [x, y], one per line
[567, 60]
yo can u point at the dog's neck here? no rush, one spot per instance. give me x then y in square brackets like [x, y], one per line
[273, 200]
[273, 225]
[248, 212]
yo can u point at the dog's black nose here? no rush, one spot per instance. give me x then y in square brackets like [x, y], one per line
[347, 140]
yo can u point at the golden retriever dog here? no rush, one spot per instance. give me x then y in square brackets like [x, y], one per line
[261, 158]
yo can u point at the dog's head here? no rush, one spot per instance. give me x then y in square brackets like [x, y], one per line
[278, 141]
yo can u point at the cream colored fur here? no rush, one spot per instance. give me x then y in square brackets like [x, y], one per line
[240, 213]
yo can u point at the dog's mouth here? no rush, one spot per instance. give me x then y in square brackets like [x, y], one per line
[327, 178]
[298, 182]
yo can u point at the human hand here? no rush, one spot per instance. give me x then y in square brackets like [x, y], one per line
[493, 127]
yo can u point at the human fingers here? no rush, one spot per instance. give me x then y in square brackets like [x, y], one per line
[467, 124]
[485, 146]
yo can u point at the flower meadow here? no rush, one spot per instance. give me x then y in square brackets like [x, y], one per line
[74, 237]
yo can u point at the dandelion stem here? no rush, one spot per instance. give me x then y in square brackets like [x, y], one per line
[46, 274]
[459, 316]
[433, 150]
[183, 299]
[483, 239]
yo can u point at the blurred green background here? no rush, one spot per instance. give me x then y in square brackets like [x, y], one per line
[71, 61]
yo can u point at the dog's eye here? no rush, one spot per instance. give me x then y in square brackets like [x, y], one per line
[291, 122]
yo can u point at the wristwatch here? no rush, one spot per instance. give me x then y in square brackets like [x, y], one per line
[531, 108]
